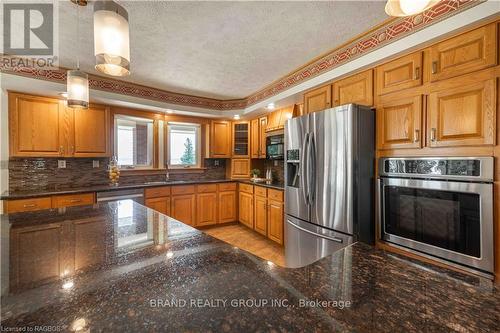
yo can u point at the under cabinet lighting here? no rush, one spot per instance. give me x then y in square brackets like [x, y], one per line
[270, 106]
[236, 116]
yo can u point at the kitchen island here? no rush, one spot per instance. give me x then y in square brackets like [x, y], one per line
[121, 267]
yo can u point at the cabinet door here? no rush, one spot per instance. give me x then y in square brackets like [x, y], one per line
[161, 204]
[255, 138]
[206, 206]
[240, 168]
[275, 221]
[227, 207]
[354, 89]
[465, 53]
[402, 73]
[241, 139]
[399, 123]
[183, 208]
[262, 136]
[318, 99]
[36, 126]
[463, 116]
[246, 209]
[260, 215]
[220, 139]
[37, 255]
[90, 132]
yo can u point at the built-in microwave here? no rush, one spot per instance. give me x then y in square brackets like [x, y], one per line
[275, 147]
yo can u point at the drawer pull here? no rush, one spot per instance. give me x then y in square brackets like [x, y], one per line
[433, 134]
[434, 67]
[416, 137]
[75, 200]
[417, 73]
[29, 205]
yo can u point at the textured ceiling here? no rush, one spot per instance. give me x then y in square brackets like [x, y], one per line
[220, 49]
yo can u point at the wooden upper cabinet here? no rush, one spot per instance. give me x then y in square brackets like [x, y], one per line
[34, 124]
[318, 99]
[356, 89]
[399, 123]
[463, 116]
[402, 73]
[465, 53]
[90, 132]
[241, 139]
[220, 139]
[258, 138]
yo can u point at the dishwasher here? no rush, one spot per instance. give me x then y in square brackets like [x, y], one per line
[136, 195]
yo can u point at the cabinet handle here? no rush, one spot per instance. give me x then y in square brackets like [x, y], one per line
[434, 67]
[433, 134]
[61, 150]
[72, 150]
[29, 205]
[417, 74]
[416, 137]
[75, 200]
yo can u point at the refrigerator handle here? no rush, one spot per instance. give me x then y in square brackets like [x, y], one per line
[312, 168]
[303, 168]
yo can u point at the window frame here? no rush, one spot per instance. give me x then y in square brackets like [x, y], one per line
[138, 118]
[198, 146]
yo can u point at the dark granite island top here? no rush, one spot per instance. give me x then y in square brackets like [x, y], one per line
[121, 267]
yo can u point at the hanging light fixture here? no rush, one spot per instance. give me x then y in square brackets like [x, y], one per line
[408, 7]
[111, 38]
[78, 81]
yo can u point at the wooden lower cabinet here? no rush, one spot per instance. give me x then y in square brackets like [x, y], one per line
[160, 204]
[183, 208]
[260, 215]
[228, 206]
[246, 209]
[206, 209]
[275, 221]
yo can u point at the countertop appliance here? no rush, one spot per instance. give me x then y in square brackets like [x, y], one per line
[275, 146]
[136, 195]
[439, 207]
[329, 182]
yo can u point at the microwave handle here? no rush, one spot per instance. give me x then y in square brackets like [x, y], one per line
[379, 206]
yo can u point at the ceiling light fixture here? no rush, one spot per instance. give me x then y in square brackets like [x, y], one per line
[77, 81]
[270, 106]
[236, 116]
[408, 7]
[111, 38]
[170, 111]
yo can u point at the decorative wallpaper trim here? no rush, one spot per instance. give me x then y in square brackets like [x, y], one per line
[365, 44]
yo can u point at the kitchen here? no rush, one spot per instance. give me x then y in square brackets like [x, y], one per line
[358, 192]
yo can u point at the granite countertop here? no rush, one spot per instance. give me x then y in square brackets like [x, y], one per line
[274, 185]
[140, 271]
[6, 195]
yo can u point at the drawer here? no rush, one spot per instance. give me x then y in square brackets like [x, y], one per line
[155, 192]
[275, 195]
[246, 188]
[206, 188]
[183, 189]
[69, 200]
[27, 205]
[227, 187]
[260, 191]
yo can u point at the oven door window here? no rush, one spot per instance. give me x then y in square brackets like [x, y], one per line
[448, 220]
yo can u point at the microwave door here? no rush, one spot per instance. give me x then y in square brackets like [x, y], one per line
[331, 172]
[296, 131]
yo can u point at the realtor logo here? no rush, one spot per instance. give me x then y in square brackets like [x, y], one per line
[28, 29]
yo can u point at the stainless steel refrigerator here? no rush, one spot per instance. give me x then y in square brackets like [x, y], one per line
[329, 182]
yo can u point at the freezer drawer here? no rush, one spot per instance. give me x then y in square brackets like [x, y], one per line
[307, 243]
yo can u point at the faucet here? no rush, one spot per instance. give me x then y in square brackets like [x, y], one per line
[167, 177]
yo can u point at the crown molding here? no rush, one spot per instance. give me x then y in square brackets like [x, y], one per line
[386, 33]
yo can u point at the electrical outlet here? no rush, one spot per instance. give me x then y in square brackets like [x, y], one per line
[95, 164]
[216, 162]
[61, 164]
[275, 163]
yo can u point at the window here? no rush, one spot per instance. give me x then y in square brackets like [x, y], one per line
[134, 142]
[183, 145]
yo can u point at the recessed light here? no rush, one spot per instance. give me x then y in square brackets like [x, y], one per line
[68, 285]
[63, 94]
[236, 116]
[270, 106]
[170, 111]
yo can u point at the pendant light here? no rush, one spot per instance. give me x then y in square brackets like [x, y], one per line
[78, 81]
[111, 38]
[408, 7]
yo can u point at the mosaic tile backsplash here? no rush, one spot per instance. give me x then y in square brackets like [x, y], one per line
[26, 174]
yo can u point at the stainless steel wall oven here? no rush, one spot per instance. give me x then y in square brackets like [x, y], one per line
[439, 207]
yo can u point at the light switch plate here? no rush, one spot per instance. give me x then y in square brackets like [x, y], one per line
[95, 164]
[61, 164]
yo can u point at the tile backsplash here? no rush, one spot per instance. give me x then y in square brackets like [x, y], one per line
[31, 174]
